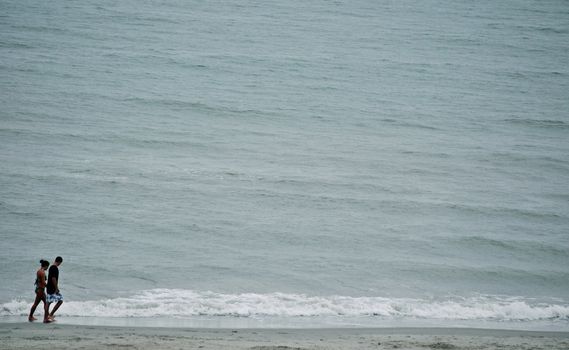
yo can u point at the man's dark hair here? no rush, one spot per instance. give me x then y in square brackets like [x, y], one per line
[58, 259]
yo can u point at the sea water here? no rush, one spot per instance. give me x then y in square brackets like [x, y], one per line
[312, 162]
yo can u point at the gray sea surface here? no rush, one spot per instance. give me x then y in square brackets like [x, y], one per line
[398, 150]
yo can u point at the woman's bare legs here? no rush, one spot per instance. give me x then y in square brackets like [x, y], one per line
[31, 318]
[40, 296]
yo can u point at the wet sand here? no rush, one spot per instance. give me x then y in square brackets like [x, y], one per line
[57, 336]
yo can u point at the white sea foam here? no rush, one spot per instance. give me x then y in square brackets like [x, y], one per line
[187, 303]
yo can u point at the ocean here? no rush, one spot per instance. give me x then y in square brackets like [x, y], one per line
[301, 163]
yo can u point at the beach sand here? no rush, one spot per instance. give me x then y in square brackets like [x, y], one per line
[57, 336]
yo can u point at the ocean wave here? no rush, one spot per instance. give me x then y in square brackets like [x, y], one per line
[183, 105]
[526, 247]
[188, 303]
[542, 123]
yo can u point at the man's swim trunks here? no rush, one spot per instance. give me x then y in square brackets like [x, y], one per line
[52, 298]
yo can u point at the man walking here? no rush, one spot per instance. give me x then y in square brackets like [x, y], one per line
[53, 294]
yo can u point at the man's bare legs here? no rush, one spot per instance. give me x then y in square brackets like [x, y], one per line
[52, 314]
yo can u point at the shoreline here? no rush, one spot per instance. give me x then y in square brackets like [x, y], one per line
[26, 335]
[208, 322]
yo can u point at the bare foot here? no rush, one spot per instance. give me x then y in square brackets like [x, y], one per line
[51, 317]
[47, 321]
[32, 319]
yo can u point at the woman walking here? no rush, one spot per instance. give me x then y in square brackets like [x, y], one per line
[40, 292]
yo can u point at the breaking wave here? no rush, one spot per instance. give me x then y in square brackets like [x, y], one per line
[188, 303]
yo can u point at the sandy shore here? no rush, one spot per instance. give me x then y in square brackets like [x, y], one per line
[55, 336]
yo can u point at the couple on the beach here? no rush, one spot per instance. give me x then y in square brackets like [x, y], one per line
[53, 295]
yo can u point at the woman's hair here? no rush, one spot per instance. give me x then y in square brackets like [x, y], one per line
[44, 263]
